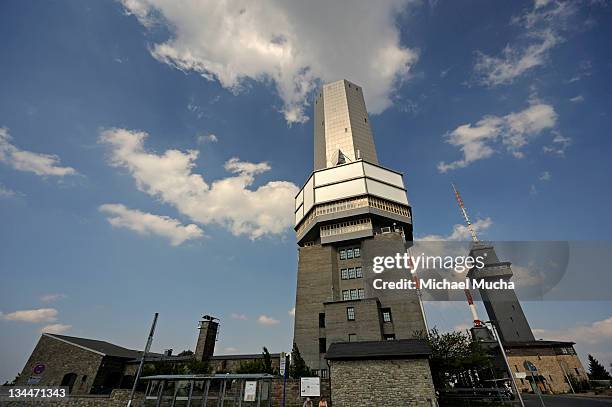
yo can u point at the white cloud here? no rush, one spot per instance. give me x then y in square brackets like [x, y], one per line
[558, 146]
[460, 232]
[231, 349]
[266, 320]
[591, 333]
[52, 297]
[241, 317]
[55, 328]
[229, 202]
[545, 176]
[207, 138]
[577, 99]
[28, 161]
[541, 29]
[293, 44]
[148, 224]
[31, 315]
[292, 312]
[6, 193]
[515, 130]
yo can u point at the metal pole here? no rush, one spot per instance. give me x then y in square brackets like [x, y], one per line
[566, 376]
[503, 352]
[537, 389]
[142, 359]
[284, 384]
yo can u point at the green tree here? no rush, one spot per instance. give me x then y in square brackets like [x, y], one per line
[186, 353]
[597, 371]
[455, 358]
[298, 367]
[263, 365]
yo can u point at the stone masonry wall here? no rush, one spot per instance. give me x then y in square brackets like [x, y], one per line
[389, 383]
[118, 398]
[549, 368]
[59, 359]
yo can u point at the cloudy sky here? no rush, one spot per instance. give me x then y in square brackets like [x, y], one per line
[150, 152]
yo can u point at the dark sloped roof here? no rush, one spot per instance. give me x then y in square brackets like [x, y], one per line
[105, 348]
[244, 356]
[403, 348]
[538, 344]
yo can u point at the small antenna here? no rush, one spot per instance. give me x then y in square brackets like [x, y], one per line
[465, 215]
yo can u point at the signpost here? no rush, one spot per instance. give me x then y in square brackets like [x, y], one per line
[283, 371]
[310, 387]
[533, 370]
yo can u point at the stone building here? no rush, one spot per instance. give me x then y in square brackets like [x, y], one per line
[90, 366]
[389, 373]
[556, 361]
[350, 210]
[84, 365]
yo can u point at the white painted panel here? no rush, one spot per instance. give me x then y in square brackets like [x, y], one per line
[383, 175]
[339, 173]
[341, 190]
[386, 191]
[309, 195]
[299, 215]
[299, 199]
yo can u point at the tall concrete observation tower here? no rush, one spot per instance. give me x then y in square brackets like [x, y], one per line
[349, 211]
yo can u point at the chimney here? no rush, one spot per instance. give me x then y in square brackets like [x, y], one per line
[207, 337]
[168, 352]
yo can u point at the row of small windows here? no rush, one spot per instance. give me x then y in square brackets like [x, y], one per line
[351, 253]
[354, 294]
[350, 311]
[351, 273]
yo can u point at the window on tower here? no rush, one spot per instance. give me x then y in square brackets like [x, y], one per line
[350, 313]
[361, 293]
[346, 295]
[358, 272]
[353, 294]
[322, 345]
[342, 254]
[352, 273]
[386, 314]
[349, 253]
[321, 320]
[344, 274]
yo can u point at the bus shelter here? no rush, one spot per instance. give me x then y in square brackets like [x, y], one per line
[219, 390]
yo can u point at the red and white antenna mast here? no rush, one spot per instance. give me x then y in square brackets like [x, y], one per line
[465, 215]
[468, 294]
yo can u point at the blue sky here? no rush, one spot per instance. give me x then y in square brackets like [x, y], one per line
[103, 225]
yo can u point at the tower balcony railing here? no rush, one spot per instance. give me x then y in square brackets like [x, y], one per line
[353, 203]
[346, 227]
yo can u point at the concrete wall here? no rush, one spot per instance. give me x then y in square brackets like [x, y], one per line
[389, 383]
[59, 359]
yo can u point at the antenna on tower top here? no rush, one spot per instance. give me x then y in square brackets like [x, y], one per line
[465, 215]
[468, 294]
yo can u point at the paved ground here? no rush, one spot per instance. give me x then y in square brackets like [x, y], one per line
[531, 400]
